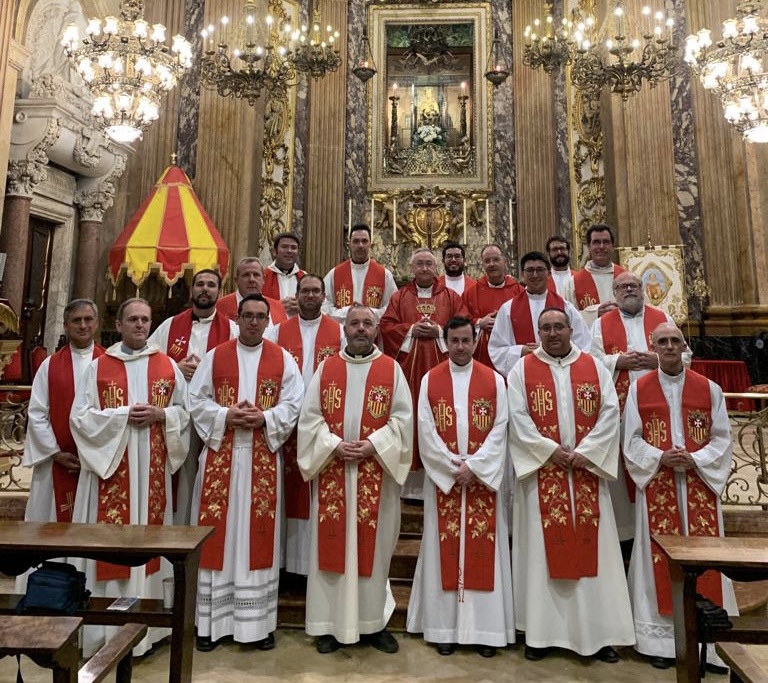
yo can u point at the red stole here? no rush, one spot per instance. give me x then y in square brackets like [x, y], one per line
[114, 493]
[585, 288]
[571, 548]
[520, 315]
[327, 344]
[61, 395]
[373, 286]
[271, 287]
[480, 516]
[615, 341]
[214, 500]
[661, 494]
[181, 330]
[332, 497]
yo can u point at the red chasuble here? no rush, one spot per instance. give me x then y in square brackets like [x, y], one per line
[181, 330]
[482, 299]
[114, 493]
[585, 289]
[61, 395]
[373, 286]
[327, 344]
[663, 506]
[332, 496]
[571, 548]
[271, 286]
[228, 306]
[615, 341]
[520, 315]
[214, 499]
[406, 308]
[480, 515]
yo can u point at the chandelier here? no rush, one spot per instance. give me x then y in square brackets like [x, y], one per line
[242, 65]
[126, 66]
[496, 70]
[734, 68]
[364, 66]
[617, 54]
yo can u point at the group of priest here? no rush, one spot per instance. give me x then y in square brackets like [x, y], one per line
[285, 413]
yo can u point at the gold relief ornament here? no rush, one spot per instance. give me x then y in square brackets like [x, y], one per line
[482, 414]
[443, 415]
[586, 398]
[113, 396]
[378, 401]
[178, 346]
[161, 392]
[267, 394]
[225, 394]
[541, 400]
[331, 398]
[426, 309]
[324, 352]
[657, 431]
[698, 426]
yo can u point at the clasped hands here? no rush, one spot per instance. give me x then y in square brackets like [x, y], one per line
[425, 329]
[637, 360]
[69, 461]
[144, 414]
[189, 365]
[245, 415]
[677, 458]
[352, 451]
[568, 459]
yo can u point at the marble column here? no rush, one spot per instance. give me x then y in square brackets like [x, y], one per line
[14, 241]
[88, 266]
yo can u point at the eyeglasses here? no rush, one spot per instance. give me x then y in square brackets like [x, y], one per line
[556, 327]
[249, 317]
[534, 271]
[627, 287]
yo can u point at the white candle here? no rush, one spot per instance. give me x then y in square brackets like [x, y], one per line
[511, 225]
[487, 224]
[372, 210]
[465, 221]
[349, 218]
[394, 220]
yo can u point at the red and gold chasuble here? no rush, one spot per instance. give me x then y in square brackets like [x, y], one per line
[480, 516]
[181, 330]
[214, 499]
[520, 315]
[271, 287]
[585, 288]
[327, 344]
[114, 493]
[373, 286]
[663, 506]
[61, 395]
[615, 341]
[332, 498]
[571, 547]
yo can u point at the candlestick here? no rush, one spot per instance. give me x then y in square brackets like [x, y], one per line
[465, 221]
[487, 224]
[394, 220]
[349, 219]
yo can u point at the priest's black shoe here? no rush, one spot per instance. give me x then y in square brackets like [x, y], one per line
[327, 644]
[383, 641]
[662, 662]
[205, 644]
[486, 651]
[446, 648]
[606, 654]
[716, 669]
[267, 643]
[536, 654]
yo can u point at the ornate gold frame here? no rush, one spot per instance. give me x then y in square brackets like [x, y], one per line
[482, 115]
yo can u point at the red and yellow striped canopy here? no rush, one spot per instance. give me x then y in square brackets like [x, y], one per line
[170, 233]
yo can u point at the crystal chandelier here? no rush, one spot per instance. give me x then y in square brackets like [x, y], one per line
[126, 66]
[247, 66]
[546, 46]
[734, 68]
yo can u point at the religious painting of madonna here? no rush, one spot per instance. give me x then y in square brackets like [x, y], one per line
[430, 118]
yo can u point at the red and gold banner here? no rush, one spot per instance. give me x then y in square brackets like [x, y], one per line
[480, 515]
[214, 500]
[585, 288]
[570, 526]
[61, 395]
[664, 515]
[115, 492]
[520, 315]
[373, 287]
[332, 501]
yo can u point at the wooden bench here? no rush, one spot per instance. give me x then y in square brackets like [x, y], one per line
[744, 669]
[116, 652]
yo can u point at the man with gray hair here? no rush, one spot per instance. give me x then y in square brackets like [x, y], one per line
[412, 330]
[249, 278]
[49, 447]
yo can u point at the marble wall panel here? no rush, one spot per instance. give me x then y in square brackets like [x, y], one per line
[189, 91]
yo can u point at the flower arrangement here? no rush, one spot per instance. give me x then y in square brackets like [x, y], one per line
[429, 133]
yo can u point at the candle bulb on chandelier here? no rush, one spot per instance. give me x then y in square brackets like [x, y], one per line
[647, 21]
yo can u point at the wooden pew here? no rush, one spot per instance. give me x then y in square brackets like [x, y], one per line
[744, 669]
[116, 652]
[751, 596]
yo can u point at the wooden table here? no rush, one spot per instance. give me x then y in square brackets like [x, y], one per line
[26, 544]
[741, 559]
[51, 643]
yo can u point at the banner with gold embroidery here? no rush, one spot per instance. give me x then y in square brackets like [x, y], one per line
[662, 503]
[585, 287]
[61, 395]
[373, 287]
[214, 498]
[332, 501]
[480, 502]
[114, 492]
[571, 546]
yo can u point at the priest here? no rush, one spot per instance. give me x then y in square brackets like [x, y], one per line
[567, 572]
[281, 277]
[462, 589]
[131, 426]
[249, 278]
[354, 445]
[244, 400]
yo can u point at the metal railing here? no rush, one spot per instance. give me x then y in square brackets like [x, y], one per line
[748, 481]
[13, 427]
